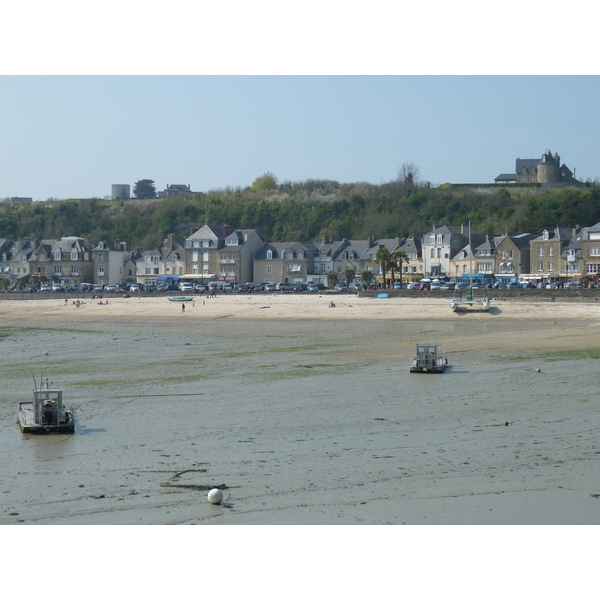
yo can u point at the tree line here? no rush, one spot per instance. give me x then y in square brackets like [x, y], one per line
[305, 211]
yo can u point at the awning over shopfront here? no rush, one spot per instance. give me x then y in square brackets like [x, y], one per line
[198, 276]
[168, 278]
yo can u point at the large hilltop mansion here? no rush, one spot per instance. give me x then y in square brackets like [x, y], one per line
[221, 253]
[545, 171]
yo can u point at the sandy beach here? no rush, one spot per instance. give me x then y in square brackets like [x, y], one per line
[302, 413]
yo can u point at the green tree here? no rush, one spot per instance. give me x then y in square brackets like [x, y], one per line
[349, 275]
[382, 258]
[267, 181]
[399, 258]
[366, 277]
[144, 188]
[332, 280]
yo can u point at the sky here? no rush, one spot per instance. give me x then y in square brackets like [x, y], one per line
[217, 107]
[75, 136]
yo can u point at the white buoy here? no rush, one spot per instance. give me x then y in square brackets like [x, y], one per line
[215, 496]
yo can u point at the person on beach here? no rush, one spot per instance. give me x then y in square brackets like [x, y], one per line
[183, 307]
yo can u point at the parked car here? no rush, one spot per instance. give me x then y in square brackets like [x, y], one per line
[312, 288]
[269, 287]
[434, 285]
[46, 288]
[200, 288]
[185, 286]
[412, 286]
[449, 285]
[56, 287]
[424, 286]
[134, 288]
[149, 287]
[340, 287]
[162, 287]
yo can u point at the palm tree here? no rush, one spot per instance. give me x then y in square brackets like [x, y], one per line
[400, 257]
[383, 257]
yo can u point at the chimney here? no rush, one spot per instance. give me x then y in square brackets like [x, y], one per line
[193, 230]
[462, 229]
[226, 230]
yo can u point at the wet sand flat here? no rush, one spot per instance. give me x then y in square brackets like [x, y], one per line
[302, 413]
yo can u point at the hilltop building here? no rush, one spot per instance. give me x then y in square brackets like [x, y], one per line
[547, 171]
[120, 191]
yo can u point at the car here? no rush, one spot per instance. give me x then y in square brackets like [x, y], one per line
[149, 287]
[449, 286]
[185, 286]
[513, 285]
[72, 288]
[134, 288]
[200, 288]
[398, 285]
[46, 288]
[312, 288]
[110, 288]
[356, 287]
[242, 288]
[424, 286]
[269, 287]
[98, 287]
[412, 286]
[340, 287]
[434, 285]
[462, 286]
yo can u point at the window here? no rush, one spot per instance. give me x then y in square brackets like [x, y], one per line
[155, 259]
[148, 259]
[296, 268]
[205, 256]
[231, 242]
[194, 270]
[439, 252]
[57, 270]
[540, 266]
[594, 251]
[195, 256]
[510, 254]
[300, 255]
[57, 255]
[269, 254]
[550, 266]
[41, 257]
[545, 235]
[100, 257]
[269, 269]
[73, 254]
[147, 271]
[432, 239]
[100, 269]
[290, 255]
[540, 251]
[75, 270]
[550, 251]
[592, 267]
[433, 253]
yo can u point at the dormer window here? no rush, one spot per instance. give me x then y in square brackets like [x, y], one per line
[269, 254]
[57, 255]
[73, 254]
[432, 239]
[439, 238]
[546, 235]
[231, 242]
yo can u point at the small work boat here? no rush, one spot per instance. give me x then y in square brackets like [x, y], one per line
[180, 298]
[46, 414]
[428, 359]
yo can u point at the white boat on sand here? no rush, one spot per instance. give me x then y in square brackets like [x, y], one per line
[428, 359]
[46, 413]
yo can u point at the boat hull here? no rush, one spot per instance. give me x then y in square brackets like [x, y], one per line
[180, 298]
[64, 423]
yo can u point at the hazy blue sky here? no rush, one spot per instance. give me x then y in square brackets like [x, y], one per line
[214, 95]
[74, 136]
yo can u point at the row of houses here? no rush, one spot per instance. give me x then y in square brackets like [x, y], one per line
[241, 255]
